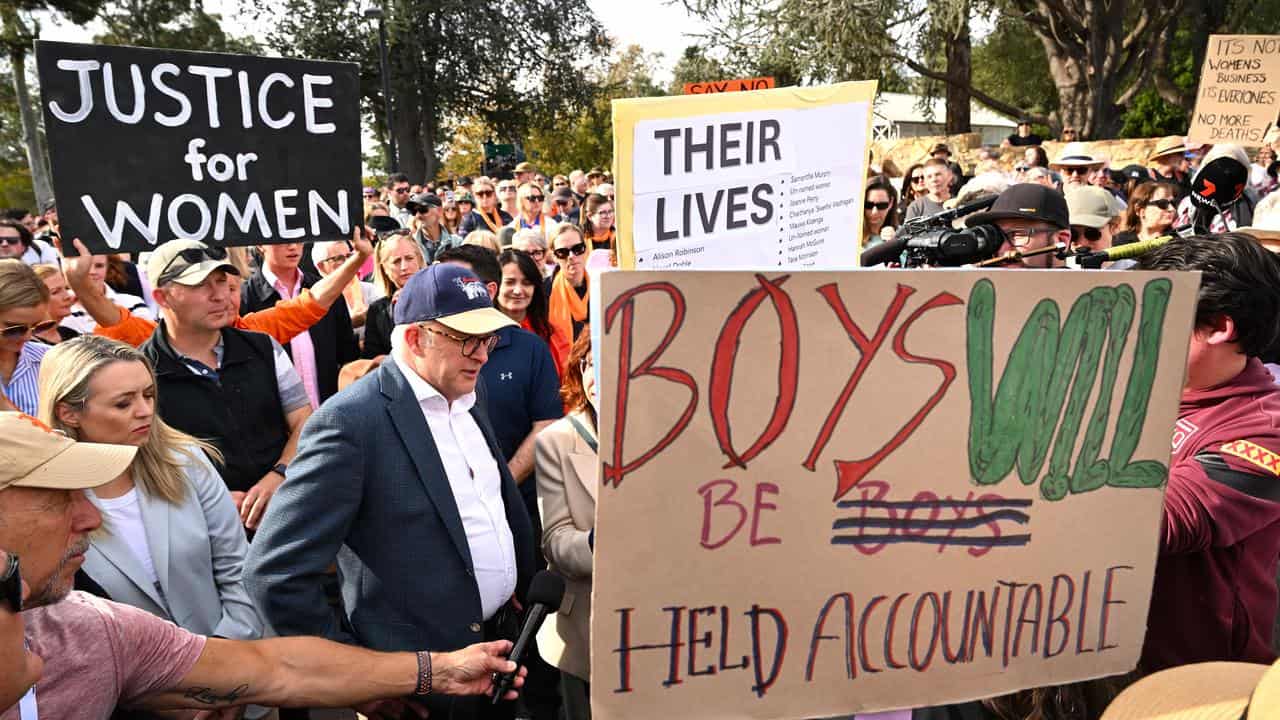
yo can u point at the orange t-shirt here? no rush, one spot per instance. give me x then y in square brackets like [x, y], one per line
[285, 321]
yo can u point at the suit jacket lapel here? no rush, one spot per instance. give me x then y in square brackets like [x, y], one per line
[415, 434]
[116, 551]
[155, 518]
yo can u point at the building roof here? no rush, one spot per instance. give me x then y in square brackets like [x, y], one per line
[905, 108]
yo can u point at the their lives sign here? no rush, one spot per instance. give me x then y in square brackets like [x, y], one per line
[832, 492]
[765, 178]
[150, 145]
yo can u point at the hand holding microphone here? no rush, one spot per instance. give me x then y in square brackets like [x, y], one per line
[545, 594]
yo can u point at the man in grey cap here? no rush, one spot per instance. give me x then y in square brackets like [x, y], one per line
[234, 388]
[429, 232]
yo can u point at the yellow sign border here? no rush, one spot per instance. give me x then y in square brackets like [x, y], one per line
[628, 112]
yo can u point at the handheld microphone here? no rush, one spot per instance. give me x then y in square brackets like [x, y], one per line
[545, 593]
[1094, 260]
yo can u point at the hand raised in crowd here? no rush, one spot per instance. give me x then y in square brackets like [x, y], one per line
[362, 242]
[19, 669]
[254, 502]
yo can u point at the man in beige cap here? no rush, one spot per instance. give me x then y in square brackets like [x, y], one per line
[1165, 162]
[99, 655]
[1093, 218]
[524, 173]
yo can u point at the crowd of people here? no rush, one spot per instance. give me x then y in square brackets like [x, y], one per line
[301, 476]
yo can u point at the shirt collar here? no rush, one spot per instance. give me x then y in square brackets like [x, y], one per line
[273, 280]
[424, 391]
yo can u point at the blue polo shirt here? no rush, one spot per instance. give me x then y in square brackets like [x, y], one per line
[522, 388]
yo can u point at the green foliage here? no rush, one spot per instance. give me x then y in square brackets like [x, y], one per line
[1153, 116]
[695, 66]
[173, 24]
[1011, 44]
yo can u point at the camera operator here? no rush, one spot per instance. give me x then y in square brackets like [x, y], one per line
[1031, 217]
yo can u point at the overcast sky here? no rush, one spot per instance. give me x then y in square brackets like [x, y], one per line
[648, 23]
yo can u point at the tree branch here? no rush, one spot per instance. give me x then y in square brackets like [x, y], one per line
[982, 97]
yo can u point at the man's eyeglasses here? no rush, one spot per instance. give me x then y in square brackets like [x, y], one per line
[563, 253]
[482, 193]
[537, 253]
[400, 191]
[559, 183]
[1021, 237]
[335, 260]
[1077, 170]
[1163, 203]
[881, 206]
[190, 256]
[23, 330]
[10, 241]
[471, 343]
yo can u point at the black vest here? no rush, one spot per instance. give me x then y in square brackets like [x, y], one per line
[239, 413]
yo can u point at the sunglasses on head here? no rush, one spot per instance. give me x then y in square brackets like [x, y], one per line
[563, 253]
[877, 205]
[9, 332]
[1163, 204]
[190, 256]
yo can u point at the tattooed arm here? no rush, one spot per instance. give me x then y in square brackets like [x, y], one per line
[310, 672]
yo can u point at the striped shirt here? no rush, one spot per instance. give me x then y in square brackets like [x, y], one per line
[23, 387]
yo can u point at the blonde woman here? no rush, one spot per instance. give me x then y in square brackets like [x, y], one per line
[484, 239]
[532, 216]
[172, 543]
[397, 258]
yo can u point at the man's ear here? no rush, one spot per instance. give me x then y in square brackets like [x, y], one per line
[160, 297]
[1220, 329]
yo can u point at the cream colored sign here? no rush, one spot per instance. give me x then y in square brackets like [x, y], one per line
[835, 492]
[1239, 97]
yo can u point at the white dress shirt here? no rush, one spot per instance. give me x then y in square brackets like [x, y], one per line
[477, 488]
[302, 349]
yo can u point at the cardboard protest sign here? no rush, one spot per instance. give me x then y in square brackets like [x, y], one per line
[719, 86]
[768, 178]
[1239, 96]
[150, 145]
[833, 492]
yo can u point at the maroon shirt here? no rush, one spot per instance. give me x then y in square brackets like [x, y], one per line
[1215, 585]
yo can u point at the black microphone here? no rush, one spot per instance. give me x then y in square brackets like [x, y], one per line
[545, 593]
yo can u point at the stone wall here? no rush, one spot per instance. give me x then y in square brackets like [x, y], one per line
[903, 153]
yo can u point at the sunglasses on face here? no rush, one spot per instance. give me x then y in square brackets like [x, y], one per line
[471, 343]
[917, 179]
[1163, 204]
[1021, 168]
[563, 253]
[1092, 235]
[1077, 171]
[11, 332]
[10, 241]
[483, 193]
[401, 191]
[190, 256]
[882, 206]
[506, 189]
[559, 183]
[535, 198]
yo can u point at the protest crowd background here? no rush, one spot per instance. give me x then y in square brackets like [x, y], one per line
[380, 439]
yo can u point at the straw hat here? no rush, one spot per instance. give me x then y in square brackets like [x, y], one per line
[1171, 145]
[1204, 691]
[1076, 154]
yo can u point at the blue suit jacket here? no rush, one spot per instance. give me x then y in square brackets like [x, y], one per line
[367, 487]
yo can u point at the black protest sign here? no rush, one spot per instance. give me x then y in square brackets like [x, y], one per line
[151, 145]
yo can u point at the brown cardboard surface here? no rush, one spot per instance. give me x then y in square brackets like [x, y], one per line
[1239, 97]
[791, 527]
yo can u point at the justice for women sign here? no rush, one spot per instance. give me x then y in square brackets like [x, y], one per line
[758, 179]
[833, 492]
[151, 145]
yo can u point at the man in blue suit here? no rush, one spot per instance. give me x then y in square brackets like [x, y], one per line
[399, 478]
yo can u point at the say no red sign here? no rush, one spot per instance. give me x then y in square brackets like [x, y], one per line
[719, 86]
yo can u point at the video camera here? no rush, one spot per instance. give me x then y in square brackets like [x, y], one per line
[932, 241]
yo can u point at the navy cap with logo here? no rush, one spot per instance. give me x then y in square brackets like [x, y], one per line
[1026, 201]
[451, 295]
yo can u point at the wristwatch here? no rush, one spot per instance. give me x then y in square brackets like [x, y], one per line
[11, 584]
[280, 468]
